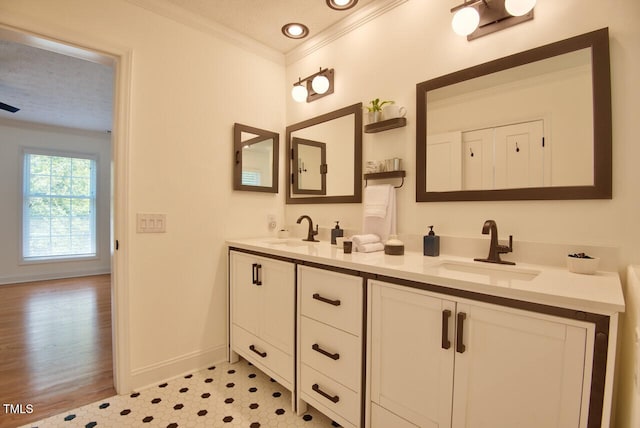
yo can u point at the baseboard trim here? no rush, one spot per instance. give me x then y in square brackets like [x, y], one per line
[154, 374]
[17, 279]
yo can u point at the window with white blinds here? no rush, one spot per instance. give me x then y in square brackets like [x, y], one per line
[59, 206]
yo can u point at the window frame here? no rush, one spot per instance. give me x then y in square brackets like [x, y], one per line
[21, 204]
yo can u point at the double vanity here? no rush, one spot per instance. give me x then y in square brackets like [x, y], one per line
[378, 340]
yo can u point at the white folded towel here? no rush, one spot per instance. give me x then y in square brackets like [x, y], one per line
[367, 243]
[370, 248]
[376, 201]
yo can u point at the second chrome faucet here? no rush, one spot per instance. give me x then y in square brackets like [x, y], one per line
[495, 249]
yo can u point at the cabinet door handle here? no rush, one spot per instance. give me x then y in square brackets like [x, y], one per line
[333, 399]
[459, 336]
[262, 354]
[255, 274]
[446, 343]
[317, 348]
[316, 296]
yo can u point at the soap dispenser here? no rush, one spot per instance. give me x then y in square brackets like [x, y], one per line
[431, 244]
[336, 232]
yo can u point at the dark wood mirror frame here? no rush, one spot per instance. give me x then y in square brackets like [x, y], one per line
[356, 197]
[238, 144]
[598, 41]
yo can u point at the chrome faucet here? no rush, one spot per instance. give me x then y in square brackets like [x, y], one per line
[311, 233]
[495, 249]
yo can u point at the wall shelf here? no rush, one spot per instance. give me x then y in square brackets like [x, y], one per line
[383, 175]
[384, 125]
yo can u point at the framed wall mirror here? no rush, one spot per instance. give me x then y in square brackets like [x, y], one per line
[325, 162]
[531, 126]
[255, 159]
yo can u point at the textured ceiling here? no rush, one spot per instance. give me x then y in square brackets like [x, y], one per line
[56, 89]
[262, 20]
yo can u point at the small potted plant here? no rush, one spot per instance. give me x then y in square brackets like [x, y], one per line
[375, 109]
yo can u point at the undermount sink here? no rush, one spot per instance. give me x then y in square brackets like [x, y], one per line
[289, 242]
[491, 272]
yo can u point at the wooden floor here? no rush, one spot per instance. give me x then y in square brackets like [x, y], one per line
[55, 346]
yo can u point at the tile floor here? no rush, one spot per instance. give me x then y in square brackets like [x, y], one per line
[225, 395]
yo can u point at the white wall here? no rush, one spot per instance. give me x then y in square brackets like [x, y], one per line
[14, 137]
[188, 88]
[413, 43]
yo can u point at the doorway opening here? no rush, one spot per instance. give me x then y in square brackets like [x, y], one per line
[62, 308]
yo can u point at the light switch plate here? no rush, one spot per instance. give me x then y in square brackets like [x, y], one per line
[151, 223]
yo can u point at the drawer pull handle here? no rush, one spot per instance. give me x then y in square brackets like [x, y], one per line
[446, 343]
[255, 274]
[459, 338]
[262, 354]
[316, 296]
[317, 348]
[333, 399]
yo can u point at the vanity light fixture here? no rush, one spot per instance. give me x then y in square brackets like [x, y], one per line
[341, 4]
[477, 18]
[313, 87]
[295, 30]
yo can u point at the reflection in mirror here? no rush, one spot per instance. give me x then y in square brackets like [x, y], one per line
[535, 125]
[309, 166]
[329, 148]
[256, 159]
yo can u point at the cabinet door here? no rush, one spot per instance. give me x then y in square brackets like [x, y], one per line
[411, 372]
[245, 302]
[278, 303]
[518, 369]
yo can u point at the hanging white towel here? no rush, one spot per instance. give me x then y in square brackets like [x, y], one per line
[376, 201]
[371, 222]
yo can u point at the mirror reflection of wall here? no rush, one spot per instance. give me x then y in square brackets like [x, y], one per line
[256, 159]
[338, 177]
[493, 112]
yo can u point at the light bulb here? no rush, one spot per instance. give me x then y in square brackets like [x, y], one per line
[465, 21]
[295, 30]
[299, 93]
[320, 84]
[519, 7]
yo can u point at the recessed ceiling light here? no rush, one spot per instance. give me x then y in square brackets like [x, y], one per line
[295, 30]
[341, 4]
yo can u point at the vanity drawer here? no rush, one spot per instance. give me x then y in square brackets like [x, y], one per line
[337, 354]
[328, 396]
[332, 298]
[263, 355]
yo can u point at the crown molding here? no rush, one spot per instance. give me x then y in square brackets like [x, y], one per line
[339, 29]
[220, 31]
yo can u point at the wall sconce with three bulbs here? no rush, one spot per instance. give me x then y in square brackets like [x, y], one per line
[313, 87]
[477, 18]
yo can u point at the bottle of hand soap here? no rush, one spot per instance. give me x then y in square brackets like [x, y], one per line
[431, 244]
[336, 232]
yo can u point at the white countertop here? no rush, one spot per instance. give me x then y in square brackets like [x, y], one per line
[600, 293]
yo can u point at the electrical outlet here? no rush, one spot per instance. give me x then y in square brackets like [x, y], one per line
[271, 222]
[151, 223]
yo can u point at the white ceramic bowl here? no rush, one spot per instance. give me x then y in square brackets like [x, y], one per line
[584, 266]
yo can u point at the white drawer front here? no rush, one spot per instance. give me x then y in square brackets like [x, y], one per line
[328, 396]
[273, 361]
[332, 298]
[345, 352]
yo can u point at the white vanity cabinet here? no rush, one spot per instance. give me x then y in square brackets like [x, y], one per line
[262, 312]
[443, 361]
[330, 343]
